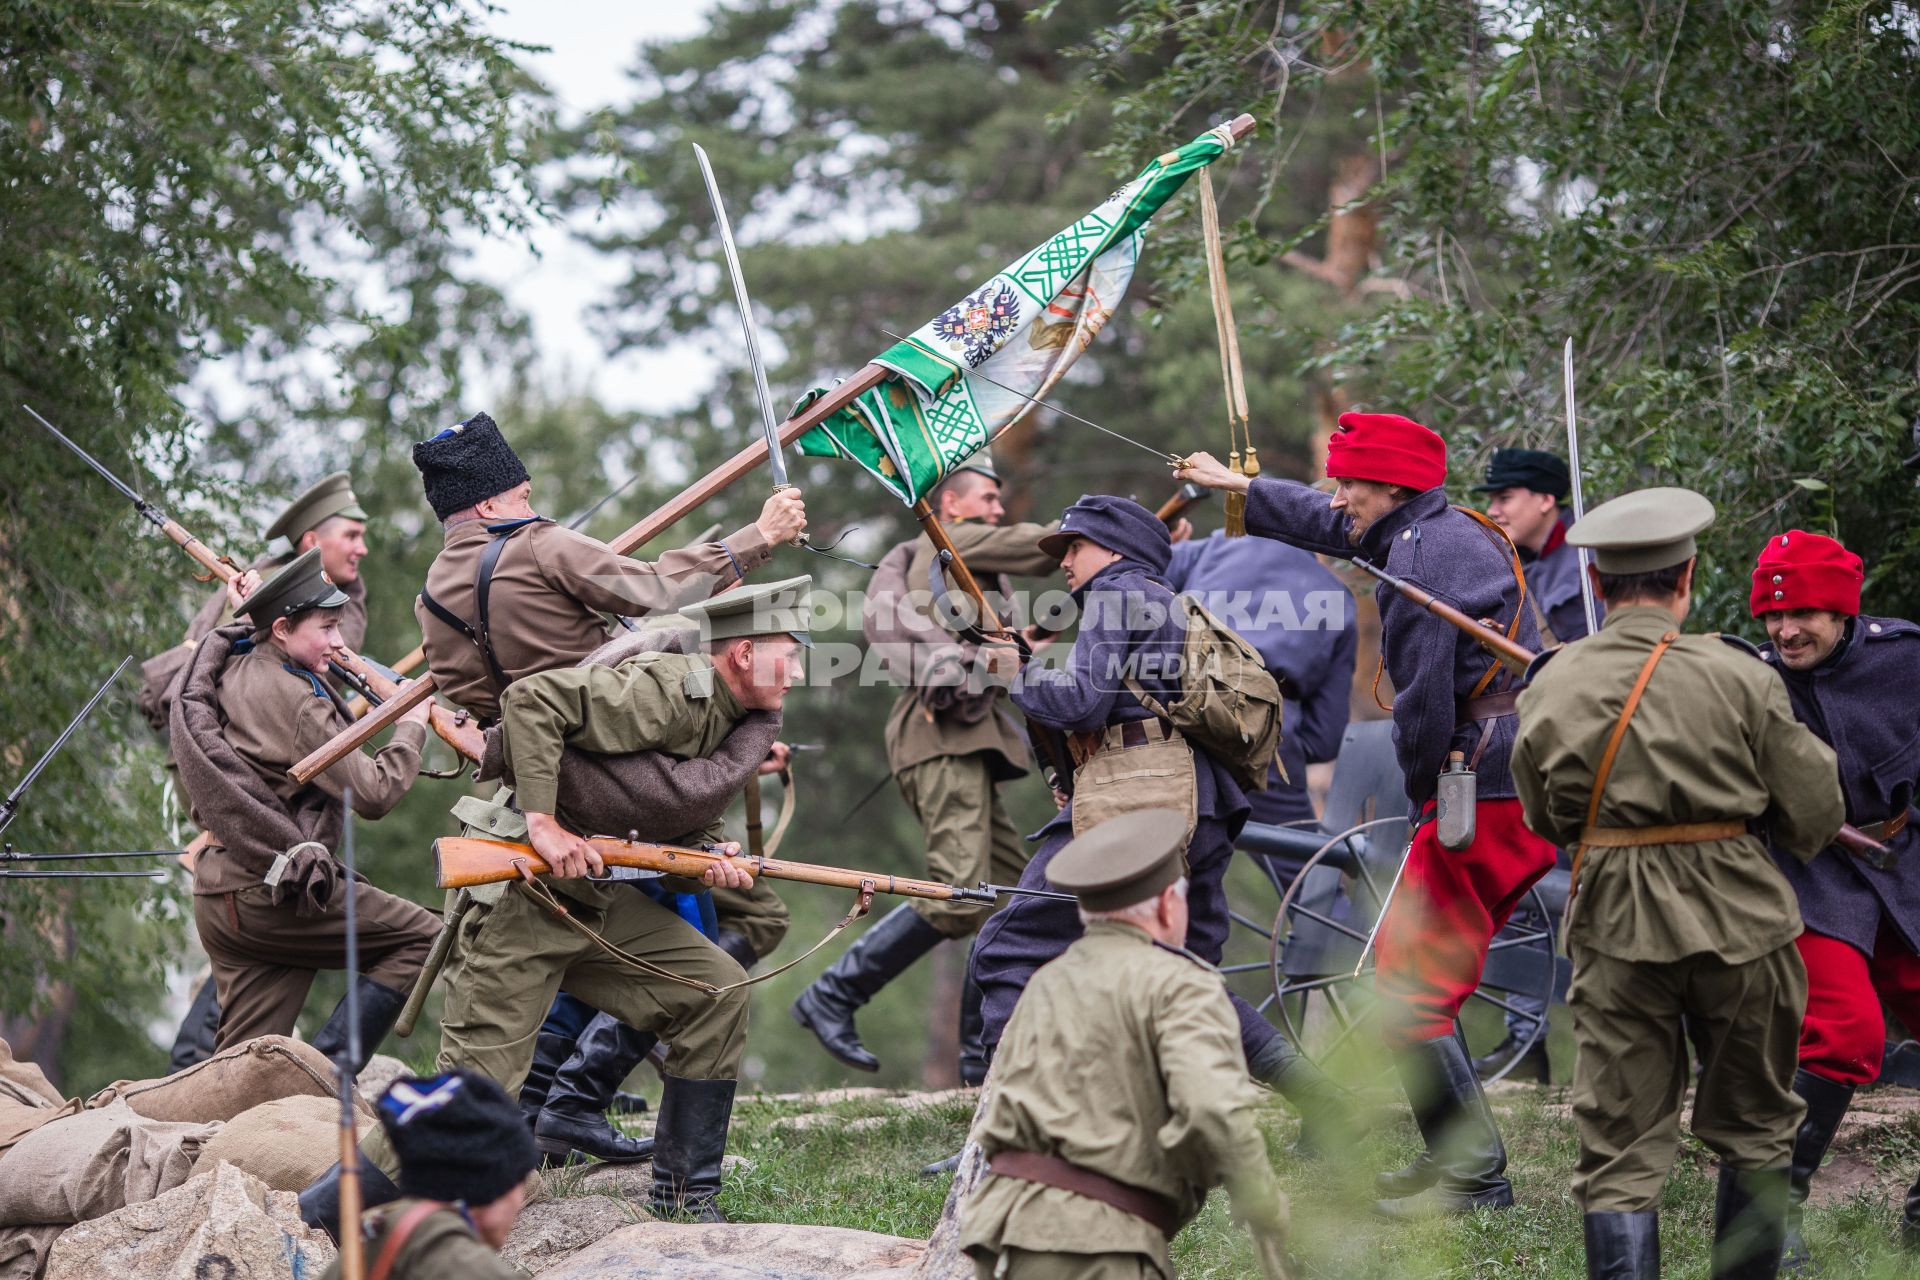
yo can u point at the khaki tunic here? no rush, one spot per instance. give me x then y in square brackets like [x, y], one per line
[1698, 931]
[1123, 1057]
[548, 594]
[913, 733]
[440, 1247]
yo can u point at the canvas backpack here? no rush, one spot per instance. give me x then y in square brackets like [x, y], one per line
[1229, 703]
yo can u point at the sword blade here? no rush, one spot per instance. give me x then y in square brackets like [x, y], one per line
[1579, 500]
[749, 331]
[10, 855]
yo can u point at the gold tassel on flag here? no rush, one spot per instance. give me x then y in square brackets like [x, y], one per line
[1231, 376]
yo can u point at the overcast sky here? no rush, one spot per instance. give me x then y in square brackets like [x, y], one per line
[592, 44]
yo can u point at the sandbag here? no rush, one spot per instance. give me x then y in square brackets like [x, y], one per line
[24, 1250]
[222, 1225]
[287, 1143]
[92, 1163]
[27, 1101]
[238, 1079]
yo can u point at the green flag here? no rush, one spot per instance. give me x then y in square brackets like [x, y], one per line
[1022, 328]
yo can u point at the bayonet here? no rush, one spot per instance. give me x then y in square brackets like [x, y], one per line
[11, 805]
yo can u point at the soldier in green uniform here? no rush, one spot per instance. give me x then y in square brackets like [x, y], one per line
[514, 949]
[951, 743]
[1656, 756]
[464, 1160]
[1120, 1093]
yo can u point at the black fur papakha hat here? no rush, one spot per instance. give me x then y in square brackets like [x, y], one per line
[459, 1137]
[467, 463]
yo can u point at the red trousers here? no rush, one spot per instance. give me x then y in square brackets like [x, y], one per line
[1434, 939]
[1845, 1030]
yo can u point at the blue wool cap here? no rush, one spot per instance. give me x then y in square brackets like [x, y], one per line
[1118, 524]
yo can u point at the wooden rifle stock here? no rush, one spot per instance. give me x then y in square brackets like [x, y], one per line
[1512, 654]
[1188, 496]
[461, 862]
[351, 738]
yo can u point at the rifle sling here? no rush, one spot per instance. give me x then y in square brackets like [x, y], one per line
[401, 1232]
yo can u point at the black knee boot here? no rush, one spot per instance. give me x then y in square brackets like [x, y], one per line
[1827, 1102]
[1910, 1219]
[1623, 1246]
[690, 1141]
[199, 1030]
[1465, 1156]
[973, 1031]
[735, 944]
[320, 1203]
[550, 1050]
[1327, 1122]
[574, 1121]
[1749, 1219]
[883, 953]
[379, 1010]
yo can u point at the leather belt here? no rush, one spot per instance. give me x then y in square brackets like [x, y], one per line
[1488, 706]
[1129, 733]
[1885, 831]
[1673, 833]
[1030, 1166]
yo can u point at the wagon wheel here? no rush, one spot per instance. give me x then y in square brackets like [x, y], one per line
[1249, 917]
[1313, 952]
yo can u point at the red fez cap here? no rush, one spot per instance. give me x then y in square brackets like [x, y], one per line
[1386, 448]
[1801, 570]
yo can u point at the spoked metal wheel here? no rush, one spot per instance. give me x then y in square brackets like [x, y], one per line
[1323, 989]
[1249, 904]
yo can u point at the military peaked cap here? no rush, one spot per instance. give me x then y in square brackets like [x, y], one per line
[1534, 469]
[331, 497]
[1124, 860]
[1643, 531]
[764, 609]
[301, 586]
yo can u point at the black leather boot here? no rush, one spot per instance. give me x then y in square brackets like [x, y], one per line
[550, 1050]
[1749, 1219]
[320, 1203]
[574, 1123]
[199, 1030]
[689, 1142]
[1327, 1122]
[379, 1010]
[973, 1031]
[1827, 1102]
[1466, 1158]
[1910, 1219]
[883, 953]
[1532, 1065]
[735, 944]
[1623, 1246]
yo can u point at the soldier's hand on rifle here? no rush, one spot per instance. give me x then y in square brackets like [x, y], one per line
[1181, 531]
[728, 874]
[242, 586]
[1002, 661]
[1209, 472]
[566, 853]
[420, 713]
[777, 758]
[782, 517]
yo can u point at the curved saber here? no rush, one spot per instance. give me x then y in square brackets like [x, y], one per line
[1579, 501]
[749, 331]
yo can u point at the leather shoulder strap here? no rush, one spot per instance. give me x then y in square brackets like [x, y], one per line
[1605, 768]
[399, 1234]
[482, 589]
[1501, 540]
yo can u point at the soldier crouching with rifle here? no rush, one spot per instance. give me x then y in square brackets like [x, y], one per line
[268, 894]
[612, 947]
[1451, 711]
[1653, 756]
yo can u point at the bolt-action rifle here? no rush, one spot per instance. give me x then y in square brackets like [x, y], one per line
[455, 726]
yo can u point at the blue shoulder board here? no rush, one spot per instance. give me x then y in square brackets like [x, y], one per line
[1745, 646]
[1539, 660]
[1877, 629]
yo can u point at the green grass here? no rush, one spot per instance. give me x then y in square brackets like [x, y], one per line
[837, 1174]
